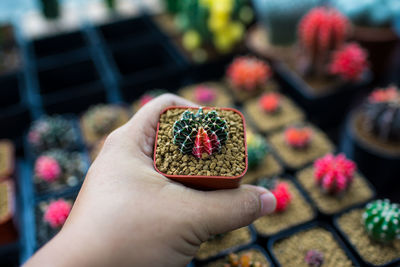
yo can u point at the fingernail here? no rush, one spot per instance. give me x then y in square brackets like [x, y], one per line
[268, 203]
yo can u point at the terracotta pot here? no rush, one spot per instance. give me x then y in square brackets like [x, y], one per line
[201, 181]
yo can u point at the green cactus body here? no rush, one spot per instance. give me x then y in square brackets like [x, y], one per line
[50, 9]
[257, 149]
[173, 6]
[381, 220]
[200, 133]
[281, 17]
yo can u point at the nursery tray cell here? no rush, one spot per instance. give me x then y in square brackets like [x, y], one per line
[9, 90]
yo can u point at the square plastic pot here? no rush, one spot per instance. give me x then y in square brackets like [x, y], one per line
[202, 181]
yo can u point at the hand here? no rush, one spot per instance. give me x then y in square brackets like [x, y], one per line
[127, 214]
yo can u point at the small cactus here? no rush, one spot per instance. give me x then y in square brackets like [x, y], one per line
[204, 94]
[280, 190]
[57, 213]
[257, 149]
[321, 31]
[382, 114]
[248, 73]
[200, 133]
[102, 119]
[334, 174]
[381, 220]
[47, 168]
[52, 132]
[349, 62]
[314, 258]
[270, 102]
[298, 137]
[245, 260]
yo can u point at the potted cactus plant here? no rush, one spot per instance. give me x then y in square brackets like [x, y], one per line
[253, 256]
[100, 120]
[372, 138]
[333, 184]
[203, 148]
[373, 29]
[299, 145]
[50, 218]
[248, 76]
[262, 162]
[292, 209]
[210, 94]
[272, 111]
[373, 231]
[56, 170]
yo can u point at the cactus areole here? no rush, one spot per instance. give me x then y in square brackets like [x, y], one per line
[199, 133]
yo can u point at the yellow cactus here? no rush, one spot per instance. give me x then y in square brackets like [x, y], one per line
[191, 40]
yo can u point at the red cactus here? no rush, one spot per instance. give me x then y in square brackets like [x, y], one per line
[298, 137]
[57, 213]
[248, 73]
[270, 102]
[282, 195]
[321, 30]
[349, 62]
[334, 174]
[204, 94]
[314, 258]
[47, 168]
[380, 95]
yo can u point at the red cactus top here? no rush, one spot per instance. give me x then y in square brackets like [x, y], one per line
[204, 94]
[47, 168]
[270, 102]
[282, 195]
[380, 95]
[57, 213]
[298, 137]
[349, 62]
[248, 73]
[334, 174]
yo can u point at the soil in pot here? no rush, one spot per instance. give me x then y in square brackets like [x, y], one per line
[220, 243]
[292, 250]
[269, 167]
[297, 212]
[299, 155]
[350, 224]
[6, 159]
[210, 94]
[255, 256]
[100, 120]
[57, 170]
[230, 161]
[167, 24]
[266, 122]
[358, 192]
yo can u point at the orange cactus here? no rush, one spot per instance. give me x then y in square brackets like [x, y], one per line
[233, 260]
[270, 102]
[298, 137]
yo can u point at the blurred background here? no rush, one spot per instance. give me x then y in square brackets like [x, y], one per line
[71, 71]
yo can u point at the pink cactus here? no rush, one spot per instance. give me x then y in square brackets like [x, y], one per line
[334, 174]
[47, 168]
[204, 94]
[270, 102]
[282, 195]
[380, 95]
[349, 62]
[57, 213]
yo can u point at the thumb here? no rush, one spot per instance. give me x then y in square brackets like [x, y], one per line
[225, 210]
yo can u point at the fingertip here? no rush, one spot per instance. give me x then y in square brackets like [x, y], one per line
[268, 203]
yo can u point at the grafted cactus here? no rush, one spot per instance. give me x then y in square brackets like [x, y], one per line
[245, 260]
[298, 137]
[57, 213]
[280, 190]
[200, 133]
[257, 149]
[382, 220]
[314, 258]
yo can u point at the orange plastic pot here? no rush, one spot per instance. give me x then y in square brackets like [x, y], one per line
[201, 181]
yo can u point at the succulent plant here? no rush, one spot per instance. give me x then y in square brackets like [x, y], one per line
[314, 258]
[47, 168]
[382, 114]
[172, 6]
[204, 94]
[281, 17]
[257, 149]
[349, 62]
[334, 174]
[371, 13]
[245, 260]
[52, 132]
[200, 133]
[57, 212]
[102, 119]
[382, 220]
[248, 73]
[298, 137]
[280, 190]
[50, 9]
[150, 95]
[270, 102]
[321, 31]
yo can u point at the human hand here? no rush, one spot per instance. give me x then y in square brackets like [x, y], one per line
[127, 214]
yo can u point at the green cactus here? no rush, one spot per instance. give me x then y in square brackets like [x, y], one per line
[200, 133]
[50, 9]
[257, 149]
[173, 6]
[381, 220]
